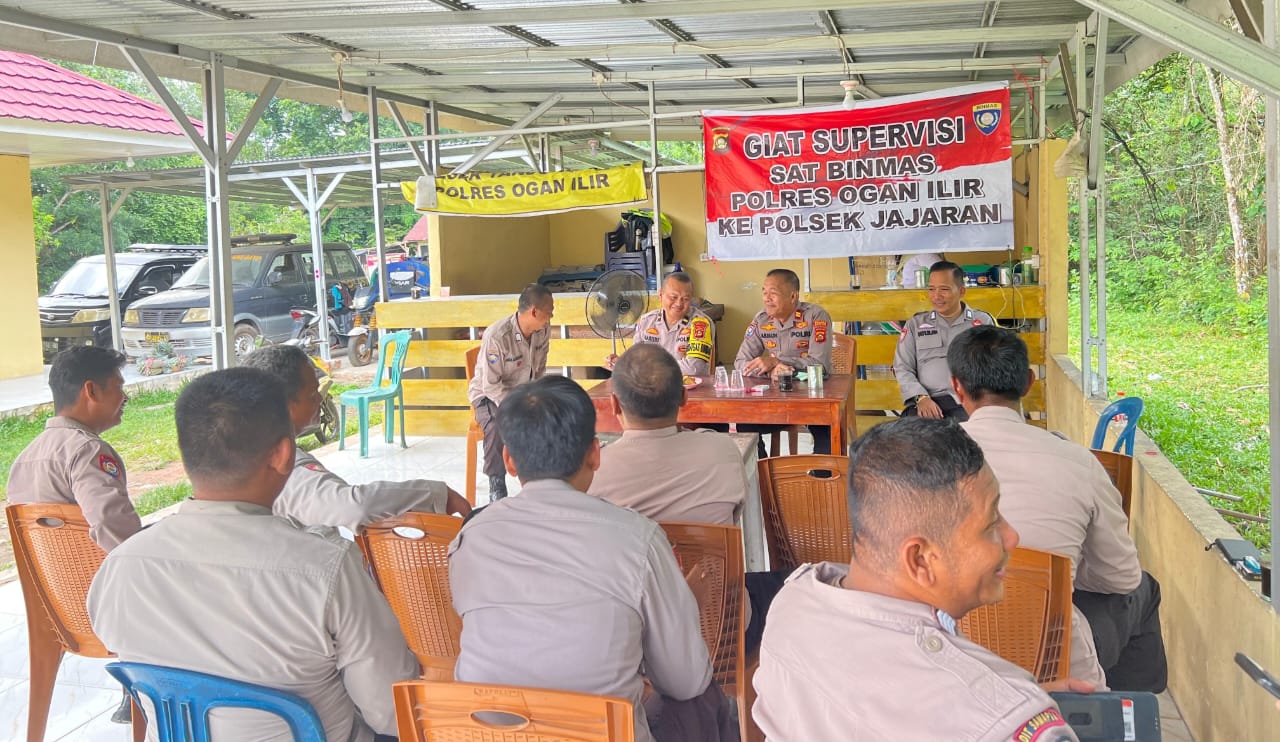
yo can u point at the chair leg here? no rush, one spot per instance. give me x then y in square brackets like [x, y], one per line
[342, 426]
[775, 443]
[793, 440]
[471, 470]
[363, 409]
[46, 656]
[389, 419]
[400, 404]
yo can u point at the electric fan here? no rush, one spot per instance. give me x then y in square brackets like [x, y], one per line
[614, 304]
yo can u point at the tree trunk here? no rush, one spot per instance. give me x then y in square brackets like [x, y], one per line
[1239, 245]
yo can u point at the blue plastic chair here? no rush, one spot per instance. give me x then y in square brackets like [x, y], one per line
[1131, 407]
[182, 699]
[398, 344]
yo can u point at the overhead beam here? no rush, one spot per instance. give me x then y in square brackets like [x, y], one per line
[549, 13]
[503, 137]
[1198, 37]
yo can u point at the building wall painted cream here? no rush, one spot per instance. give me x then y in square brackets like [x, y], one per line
[1208, 612]
[485, 255]
[23, 354]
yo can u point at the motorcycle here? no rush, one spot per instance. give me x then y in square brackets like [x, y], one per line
[325, 428]
[362, 340]
[306, 327]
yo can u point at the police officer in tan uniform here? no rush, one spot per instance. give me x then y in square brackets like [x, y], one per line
[920, 361]
[69, 462]
[315, 496]
[683, 330]
[513, 351]
[1061, 499]
[788, 334]
[226, 588]
[870, 649]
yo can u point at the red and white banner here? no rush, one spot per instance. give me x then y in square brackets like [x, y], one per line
[918, 173]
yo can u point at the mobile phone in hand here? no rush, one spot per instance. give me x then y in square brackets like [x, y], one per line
[1260, 676]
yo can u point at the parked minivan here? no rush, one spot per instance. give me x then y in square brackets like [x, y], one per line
[77, 310]
[270, 275]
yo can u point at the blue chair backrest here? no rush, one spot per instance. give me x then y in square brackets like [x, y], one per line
[1131, 407]
[398, 342]
[183, 699]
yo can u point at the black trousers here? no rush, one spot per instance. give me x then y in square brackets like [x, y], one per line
[487, 417]
[951, 409]
[1126, 631]
[821, 436]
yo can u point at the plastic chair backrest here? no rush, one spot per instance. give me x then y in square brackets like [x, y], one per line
[717, 550]
[181, 701]
[429, 711]
[1120, 468]
[473, 355]
[398, 342]
[57, 561]
[844, 353]
[409, 559]
[1131, 407]
[806, 519]
[1031, 627]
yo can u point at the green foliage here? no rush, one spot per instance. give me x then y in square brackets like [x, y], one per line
[162, 496]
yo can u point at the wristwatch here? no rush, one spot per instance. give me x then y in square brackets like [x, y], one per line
[920, 397]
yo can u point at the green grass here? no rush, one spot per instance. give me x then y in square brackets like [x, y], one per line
[162, 496]
[1203, 406]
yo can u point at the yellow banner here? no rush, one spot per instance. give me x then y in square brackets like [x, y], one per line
[490, 194]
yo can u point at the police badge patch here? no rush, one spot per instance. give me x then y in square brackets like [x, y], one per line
[986, 116]
[493, 358]
[109, 465]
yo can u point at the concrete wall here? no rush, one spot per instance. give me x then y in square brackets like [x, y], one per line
[22, 350]
[485, 255]
[1208, 611]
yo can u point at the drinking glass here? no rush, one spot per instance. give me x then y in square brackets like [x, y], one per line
[785, 380]
[735, 381]
[722, 378]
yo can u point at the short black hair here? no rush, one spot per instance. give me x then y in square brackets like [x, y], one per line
[533, 295]
[957, 273]
[648, 382]
[285, 362]
[787, 275]
[679, 277]
[989, 360]
[905, 479]
[547, 425]
[228, 421]
[74, 366]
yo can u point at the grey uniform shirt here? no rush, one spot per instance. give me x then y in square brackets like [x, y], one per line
[1058, 498]
[559, 589]
[315, 496]
[846, 664]
[799, 340]
[689, 341]
[676, 475]
[68, 463]
[228, 589]
[507, 359]
[920, 361]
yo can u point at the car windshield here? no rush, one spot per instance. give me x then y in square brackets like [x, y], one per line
[89, 278]
[244, 272]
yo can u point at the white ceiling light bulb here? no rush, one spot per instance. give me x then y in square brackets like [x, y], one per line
[849, 99]
[339, 59]
[346, 114]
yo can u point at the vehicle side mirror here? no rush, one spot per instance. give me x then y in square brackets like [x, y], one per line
[148, 290]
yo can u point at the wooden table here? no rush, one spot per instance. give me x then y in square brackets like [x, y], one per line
[826, 406]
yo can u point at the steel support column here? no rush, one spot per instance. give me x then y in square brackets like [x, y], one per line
[1271, 21]
[109, 255]
[375, 171]
[313, 201]
[1082, 225]
[221, 302]
[657, 193]
[1098, 184]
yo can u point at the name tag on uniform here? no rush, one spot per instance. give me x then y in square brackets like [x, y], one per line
[925, 333]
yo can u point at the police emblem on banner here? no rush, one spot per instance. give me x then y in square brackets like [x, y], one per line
[720, 140]
[987, 116]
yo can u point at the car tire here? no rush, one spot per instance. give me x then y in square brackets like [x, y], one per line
[244, 341]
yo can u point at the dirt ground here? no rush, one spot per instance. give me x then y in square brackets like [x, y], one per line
[141, 482]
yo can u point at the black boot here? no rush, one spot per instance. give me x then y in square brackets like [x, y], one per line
[497, 488]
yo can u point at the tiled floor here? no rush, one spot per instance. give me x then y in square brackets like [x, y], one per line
[85, 695]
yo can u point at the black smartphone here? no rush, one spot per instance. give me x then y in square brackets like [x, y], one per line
[1260, 676]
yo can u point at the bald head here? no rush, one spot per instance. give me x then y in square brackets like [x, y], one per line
[906, 480]
[648, 384]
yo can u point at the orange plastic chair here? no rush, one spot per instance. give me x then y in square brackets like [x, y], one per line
[806, 519]
[453, 712]
[408, 557]
[722, 617]
[1031, 627]
[1120, 468]
[56, 562]
[844, 356]
[474, 433]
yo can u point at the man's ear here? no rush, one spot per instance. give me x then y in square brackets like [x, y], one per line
[959, 390]
[91, 391]
[592, 459]
[282, 456]
[510, 463]
[615, 405]
[918, 560]
[1031, 379]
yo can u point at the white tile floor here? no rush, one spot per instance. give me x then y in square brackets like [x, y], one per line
[85, 696]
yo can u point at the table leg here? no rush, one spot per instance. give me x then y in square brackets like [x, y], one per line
[754, 553]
